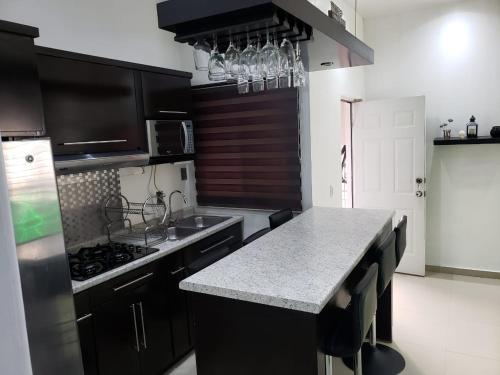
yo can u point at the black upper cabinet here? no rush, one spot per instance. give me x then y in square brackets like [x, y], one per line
[21, 111]
[89, 107]
[166, 97]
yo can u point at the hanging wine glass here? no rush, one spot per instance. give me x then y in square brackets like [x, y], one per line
[257, 76]
[270, 60]
[232, 61]
[216, 65]
[284, 67]
[201, 55]
[299, 72]
[248, 67]
[288, 50]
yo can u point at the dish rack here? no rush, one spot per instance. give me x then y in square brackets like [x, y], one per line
[148, 229]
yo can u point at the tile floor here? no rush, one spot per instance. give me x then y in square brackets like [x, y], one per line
[443, 325]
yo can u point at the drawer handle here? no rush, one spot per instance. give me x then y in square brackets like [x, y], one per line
[217, 245]
[133, 282]
[134, 318]
[94, 142]
[173, 273]
[85, 317]
[174, 112]
[144, 341]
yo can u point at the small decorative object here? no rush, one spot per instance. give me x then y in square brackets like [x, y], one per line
[462, 134]
[336, 13]
[495, 132]
[472, 128]
[446, 130]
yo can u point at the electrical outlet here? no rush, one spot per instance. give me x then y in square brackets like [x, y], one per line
[184, 175]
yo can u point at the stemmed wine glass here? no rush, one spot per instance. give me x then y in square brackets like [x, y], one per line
[299, 72]
[258, 76]
[248, 67]
[216, 64]
[232, 61]
[270, 60]
[287, 62]
[201, 55]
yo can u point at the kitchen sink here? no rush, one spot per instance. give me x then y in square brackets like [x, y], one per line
[177, 233]
[200, 222]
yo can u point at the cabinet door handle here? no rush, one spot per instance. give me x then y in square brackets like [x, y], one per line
[94, 142]
[117, 289]
[144, 341]
[134, 317]
[217, 245]
[85, 317]
[174, 112]
[173, 273]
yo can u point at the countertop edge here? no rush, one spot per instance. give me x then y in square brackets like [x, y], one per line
[80, 286]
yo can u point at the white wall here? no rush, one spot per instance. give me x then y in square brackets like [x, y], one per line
[119, 29]
[327, 88]
[450, 54]
[14, 350]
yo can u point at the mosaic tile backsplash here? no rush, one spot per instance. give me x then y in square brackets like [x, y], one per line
[81, 196]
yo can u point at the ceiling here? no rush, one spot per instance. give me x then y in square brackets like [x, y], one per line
[376, 8]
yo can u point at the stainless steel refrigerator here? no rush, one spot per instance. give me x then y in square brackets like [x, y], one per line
[50, 321]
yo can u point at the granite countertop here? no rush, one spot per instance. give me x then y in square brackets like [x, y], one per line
[298, 266]
[166, 248]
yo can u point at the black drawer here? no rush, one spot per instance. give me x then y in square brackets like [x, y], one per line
[123, 284]
[229, 239]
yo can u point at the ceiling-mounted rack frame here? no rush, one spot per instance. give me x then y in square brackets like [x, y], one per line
[323, 39]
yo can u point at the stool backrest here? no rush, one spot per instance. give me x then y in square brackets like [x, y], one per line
[256, 236]
[364, 305]
[401, 239]
[385, 257]
[280, 218]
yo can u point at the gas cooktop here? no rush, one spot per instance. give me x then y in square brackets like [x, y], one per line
[92, 261]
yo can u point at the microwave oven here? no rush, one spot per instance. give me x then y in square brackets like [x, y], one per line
[170, 137]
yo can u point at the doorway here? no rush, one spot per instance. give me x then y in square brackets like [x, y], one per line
[346, 154]
[388, 165]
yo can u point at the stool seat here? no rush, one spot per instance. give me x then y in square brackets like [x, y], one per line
[351, 328]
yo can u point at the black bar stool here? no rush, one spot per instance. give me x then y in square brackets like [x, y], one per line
[280, 218]
[401, 239]
[256, 236]
[347, 338]
[381, 359]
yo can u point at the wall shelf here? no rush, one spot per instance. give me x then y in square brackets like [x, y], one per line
[466, 141]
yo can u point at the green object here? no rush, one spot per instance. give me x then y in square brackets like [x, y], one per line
[35, 216]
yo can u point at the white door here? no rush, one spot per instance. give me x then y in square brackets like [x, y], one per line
[389, 163]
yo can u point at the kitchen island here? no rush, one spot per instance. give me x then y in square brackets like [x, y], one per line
[266, 308]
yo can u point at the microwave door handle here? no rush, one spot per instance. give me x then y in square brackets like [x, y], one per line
[184, 140]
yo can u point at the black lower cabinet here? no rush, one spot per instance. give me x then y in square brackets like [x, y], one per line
[156, 343]
[140, 323]
[133, 334]
[179, 314]
[117, 337]
[85, 321]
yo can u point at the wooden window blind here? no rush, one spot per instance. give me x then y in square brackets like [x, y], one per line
[247, 148]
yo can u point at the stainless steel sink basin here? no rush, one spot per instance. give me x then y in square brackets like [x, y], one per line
[200, 222]
[176, 233]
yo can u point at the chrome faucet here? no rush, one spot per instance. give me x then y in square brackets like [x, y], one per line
[171, 222]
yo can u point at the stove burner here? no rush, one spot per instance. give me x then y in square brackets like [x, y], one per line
[92, 261]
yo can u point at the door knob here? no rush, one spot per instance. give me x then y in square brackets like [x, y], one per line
[420, 194]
